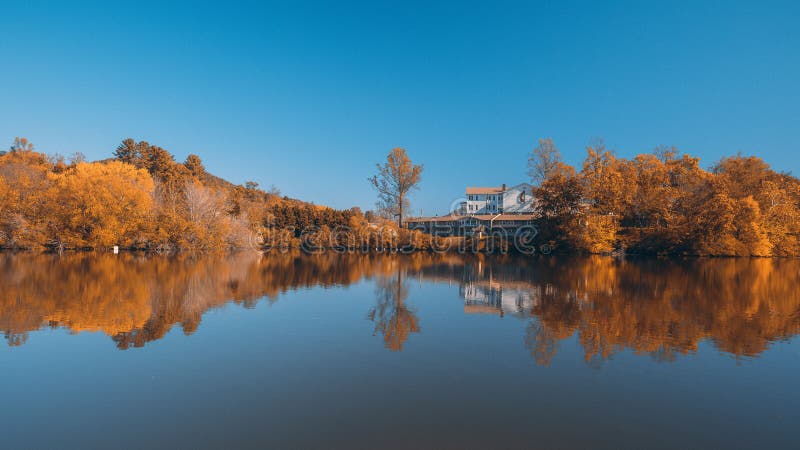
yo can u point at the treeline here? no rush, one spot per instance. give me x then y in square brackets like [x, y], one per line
[143, 198]
[665, 203]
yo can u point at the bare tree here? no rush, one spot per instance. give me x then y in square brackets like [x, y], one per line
[21, 145]
[202, 204]
[77, 158]
[543, 161]
[665, 153]
[394, 182]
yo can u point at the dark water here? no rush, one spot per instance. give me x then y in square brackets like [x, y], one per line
[291, 351]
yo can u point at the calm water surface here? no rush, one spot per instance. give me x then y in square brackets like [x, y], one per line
[369, 351]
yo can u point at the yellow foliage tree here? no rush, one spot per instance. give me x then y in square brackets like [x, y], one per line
[24, 204]
[596, 233]
[101, 204]
[749, 225]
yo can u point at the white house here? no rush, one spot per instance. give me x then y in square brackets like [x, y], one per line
[499, 200]
[485, 210]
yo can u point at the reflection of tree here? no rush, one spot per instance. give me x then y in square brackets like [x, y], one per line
[666, 308]
[392, 317]
[541, 342]
[15, 340]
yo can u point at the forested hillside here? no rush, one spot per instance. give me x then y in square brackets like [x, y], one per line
[142, 198]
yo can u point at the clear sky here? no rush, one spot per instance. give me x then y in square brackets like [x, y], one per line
[310, 96]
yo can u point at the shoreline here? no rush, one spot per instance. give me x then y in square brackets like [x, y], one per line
[358, 251]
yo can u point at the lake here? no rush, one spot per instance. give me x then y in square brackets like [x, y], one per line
[389, 351]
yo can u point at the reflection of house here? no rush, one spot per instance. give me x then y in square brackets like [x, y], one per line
[494, 210]
[494, 298]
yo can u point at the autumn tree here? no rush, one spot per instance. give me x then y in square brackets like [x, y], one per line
[25, 206]
[604, 184]
[604, 181]
[760, 208]
[101, 204]
[743, 175]
[394, 182]
[559, 199]
[780, 205]
[195, 166]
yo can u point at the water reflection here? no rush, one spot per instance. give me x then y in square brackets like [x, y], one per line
[653, 307]
[392, 317]
[656, 307]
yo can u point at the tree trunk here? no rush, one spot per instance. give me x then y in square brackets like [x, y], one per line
[400, 212]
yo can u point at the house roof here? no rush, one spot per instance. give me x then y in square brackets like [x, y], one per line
[484, 190]
[516, 217]
[496, 217]
[479, 217]
[494, 190]
[447, 218]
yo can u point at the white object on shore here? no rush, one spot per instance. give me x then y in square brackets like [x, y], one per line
[116, 249]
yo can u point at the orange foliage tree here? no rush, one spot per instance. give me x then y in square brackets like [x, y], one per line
[101, 204]
[664, 203]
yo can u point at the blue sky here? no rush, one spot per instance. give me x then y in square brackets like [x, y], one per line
[310, 96]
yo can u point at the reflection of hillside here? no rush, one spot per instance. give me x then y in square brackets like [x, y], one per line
[656, 307]
[137, 299]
